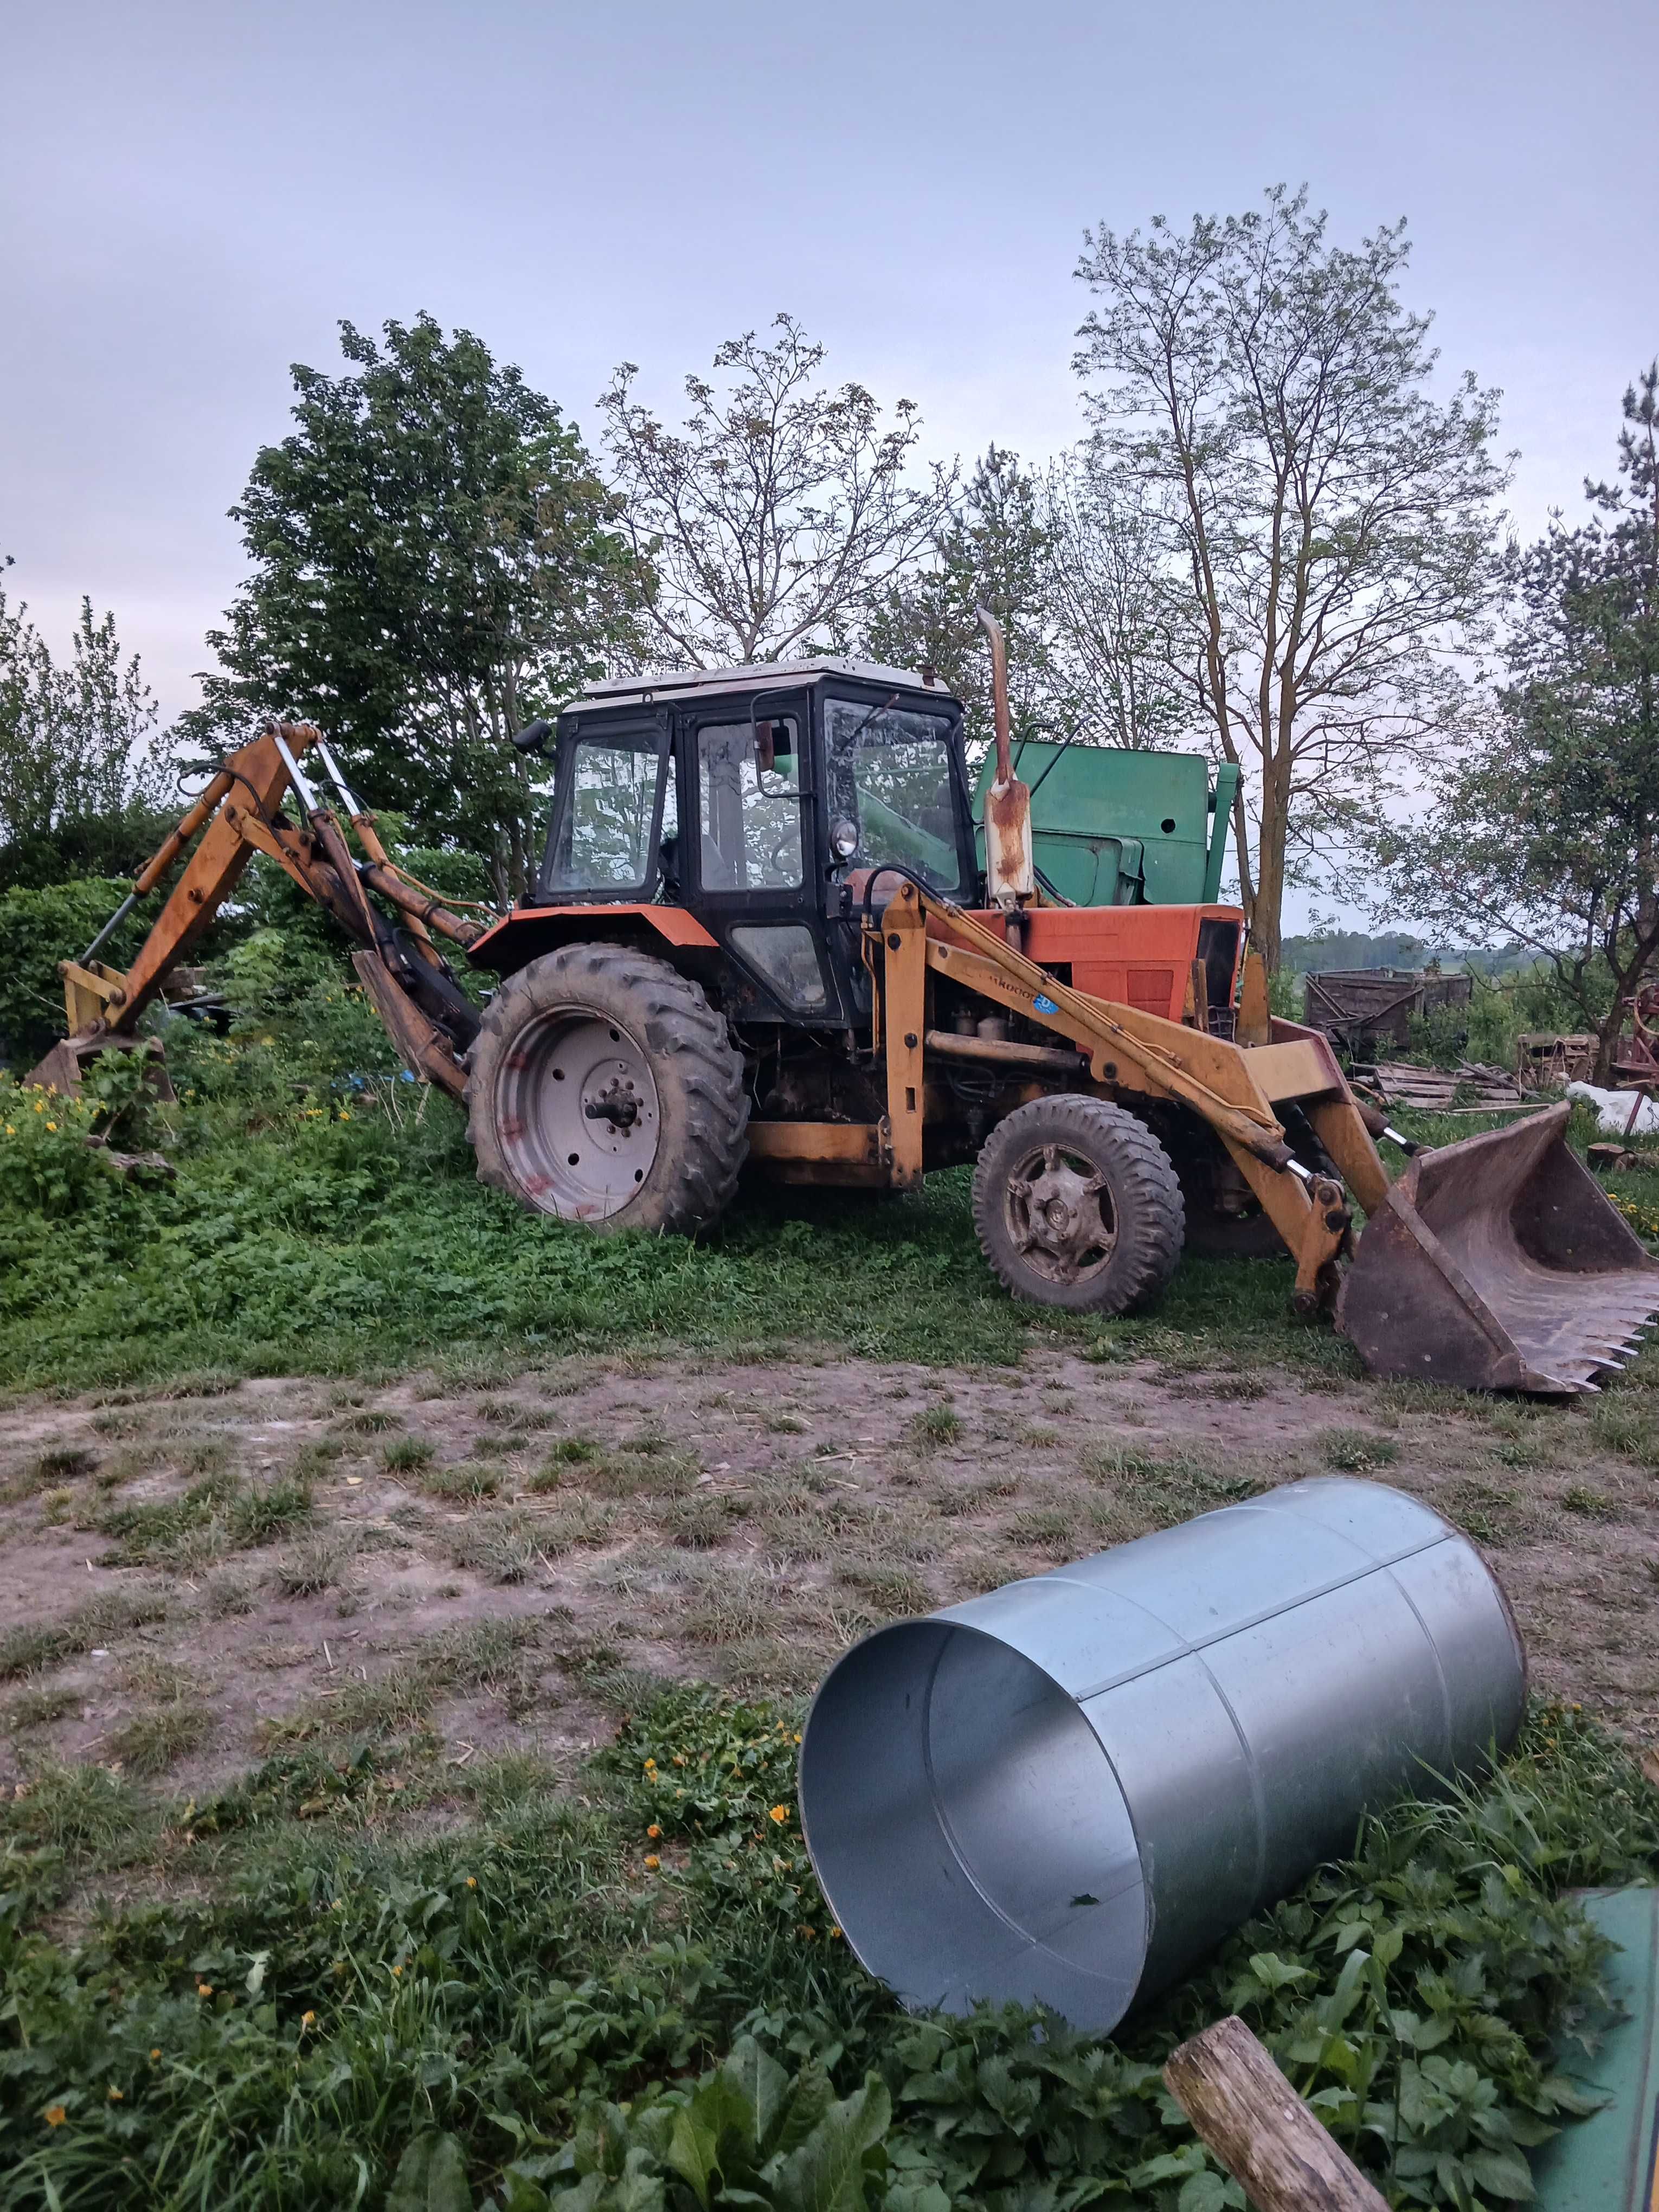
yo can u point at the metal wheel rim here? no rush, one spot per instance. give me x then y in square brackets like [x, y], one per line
[1057, 1206]
[564, 1097]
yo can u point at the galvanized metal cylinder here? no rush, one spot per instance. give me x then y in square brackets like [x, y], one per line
[1066, 1792]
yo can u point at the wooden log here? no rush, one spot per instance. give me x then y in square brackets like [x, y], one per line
[1247, 2113]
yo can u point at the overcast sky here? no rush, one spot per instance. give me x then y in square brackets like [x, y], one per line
[195, 194]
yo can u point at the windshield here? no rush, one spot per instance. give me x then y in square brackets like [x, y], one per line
[889, 773]
[604, 832]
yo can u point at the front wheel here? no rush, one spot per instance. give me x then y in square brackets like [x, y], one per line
[604, 1088]
[1076, 1205]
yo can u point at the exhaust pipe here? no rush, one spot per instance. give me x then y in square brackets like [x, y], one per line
[1010, 861]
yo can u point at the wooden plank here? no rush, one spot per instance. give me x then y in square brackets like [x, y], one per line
[1247, 2113]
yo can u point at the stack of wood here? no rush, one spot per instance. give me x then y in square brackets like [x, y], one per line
[1473, 1087]
[1549, 1060]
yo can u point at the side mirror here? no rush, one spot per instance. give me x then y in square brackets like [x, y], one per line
[773, 745]
[533, 737]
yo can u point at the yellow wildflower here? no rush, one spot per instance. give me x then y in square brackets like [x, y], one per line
[53, 1125]
[156, 2052]
[650, 1766]
[652, 1862]
[55, 2116]
[344, 1116]
[307, 2020]
[204, 1989]
[116, 2096]
[397, 1970]
[834, 1933]
[653, 1831]
[779, 1814]
[473, 1881]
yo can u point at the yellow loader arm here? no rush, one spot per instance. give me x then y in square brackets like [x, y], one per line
[1498, 1263]
[241, 812]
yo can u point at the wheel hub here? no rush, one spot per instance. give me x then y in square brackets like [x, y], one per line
[1059, 1215]
[609, 1095]
[580, 1114]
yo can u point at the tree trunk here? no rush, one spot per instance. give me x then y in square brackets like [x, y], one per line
[1247, 2113]
[1267, 912]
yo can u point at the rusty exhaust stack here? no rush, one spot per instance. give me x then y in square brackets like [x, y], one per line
[1010, 865]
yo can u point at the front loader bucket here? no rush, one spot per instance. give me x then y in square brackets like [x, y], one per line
[1498, 1264]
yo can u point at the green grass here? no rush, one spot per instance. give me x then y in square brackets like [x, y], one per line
[32, 1647]
[288, 1245]
[329, 2004]
[1356, 1451]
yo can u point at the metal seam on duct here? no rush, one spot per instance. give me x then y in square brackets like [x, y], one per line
[1253, 1768]
[1196, 1647]
[935, 1797]
[1434, 1653]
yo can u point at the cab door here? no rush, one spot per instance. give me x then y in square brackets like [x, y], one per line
[750, 813]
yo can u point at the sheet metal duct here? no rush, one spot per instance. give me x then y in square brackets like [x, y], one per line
[1066, 1792]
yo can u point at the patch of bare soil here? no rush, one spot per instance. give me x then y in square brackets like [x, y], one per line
[191, 1583]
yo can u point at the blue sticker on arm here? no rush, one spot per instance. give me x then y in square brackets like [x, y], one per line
[1041, 1005]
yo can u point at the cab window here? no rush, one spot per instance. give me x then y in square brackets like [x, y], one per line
[749, 805]
[889, 775]
[604, 841]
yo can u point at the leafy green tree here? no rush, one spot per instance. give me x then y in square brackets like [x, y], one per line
[1327, 531]
[1545, 827]
[81, 786]
[434, 563]
[776, 516]
[988, 548]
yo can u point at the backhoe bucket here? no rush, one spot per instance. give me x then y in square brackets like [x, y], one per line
[1498, 1264]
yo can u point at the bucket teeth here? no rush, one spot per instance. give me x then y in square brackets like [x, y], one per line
[1499, 1263]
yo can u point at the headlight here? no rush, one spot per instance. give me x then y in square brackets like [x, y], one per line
[843, 839]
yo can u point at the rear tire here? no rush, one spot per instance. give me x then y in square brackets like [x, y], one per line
[1076, 1205]
[604, 1089]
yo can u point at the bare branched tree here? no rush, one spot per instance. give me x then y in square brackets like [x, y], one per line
[773, 518]
[1330, 522]
[1106, 601]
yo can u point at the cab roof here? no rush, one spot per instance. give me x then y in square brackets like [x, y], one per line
[756, 676]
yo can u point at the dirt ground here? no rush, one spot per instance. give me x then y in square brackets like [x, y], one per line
[193, 1582]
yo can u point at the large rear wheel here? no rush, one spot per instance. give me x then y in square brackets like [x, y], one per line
[604, 1088]
[1076, 1205]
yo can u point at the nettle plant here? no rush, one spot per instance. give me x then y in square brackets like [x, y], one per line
[46, 1166]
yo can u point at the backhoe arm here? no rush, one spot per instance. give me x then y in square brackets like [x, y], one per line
[238, 814]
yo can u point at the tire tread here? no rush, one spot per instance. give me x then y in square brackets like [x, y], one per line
[678, 1026]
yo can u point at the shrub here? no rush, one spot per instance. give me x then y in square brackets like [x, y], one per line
[46, 1166]
[39, 928]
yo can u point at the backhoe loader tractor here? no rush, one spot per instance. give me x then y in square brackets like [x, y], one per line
[763, 937]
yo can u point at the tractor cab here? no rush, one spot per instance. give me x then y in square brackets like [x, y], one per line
[750, 798]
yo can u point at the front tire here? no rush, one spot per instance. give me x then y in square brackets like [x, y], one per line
[1076, 1205]
[604, 1089]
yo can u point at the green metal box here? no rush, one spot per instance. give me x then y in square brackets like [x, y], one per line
[1111, 828]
